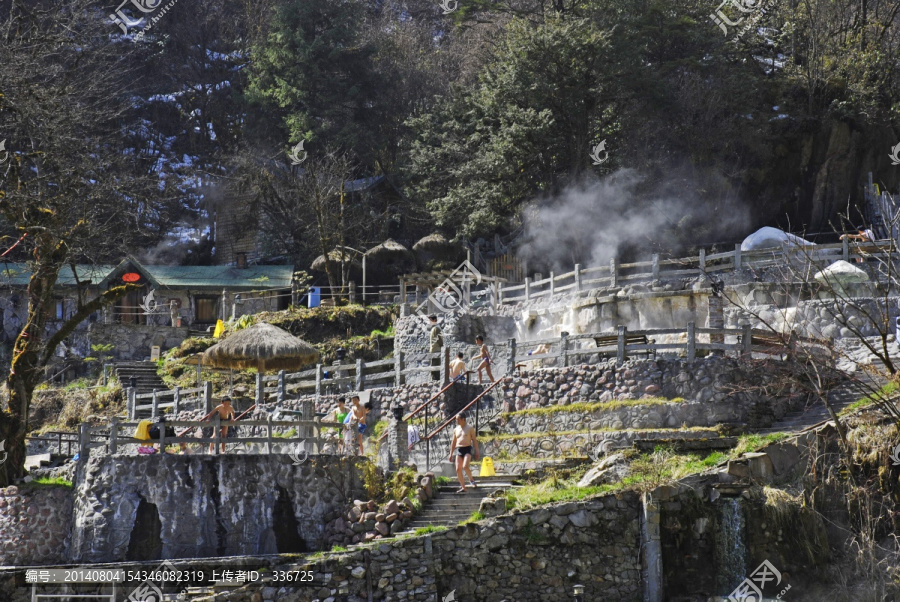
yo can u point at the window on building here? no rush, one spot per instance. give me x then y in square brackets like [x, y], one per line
[206, 309]
[60, 309]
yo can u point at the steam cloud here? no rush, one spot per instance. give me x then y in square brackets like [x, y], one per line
[622, 215]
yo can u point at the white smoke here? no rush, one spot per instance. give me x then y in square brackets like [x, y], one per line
[622, 214]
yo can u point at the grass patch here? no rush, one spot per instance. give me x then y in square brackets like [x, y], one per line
[442, 481]
[552, 434]
[475, 517]
[753, 442]
[881, 395]
[337, 549]
[430, 529]
[582, 407]
[50, 482]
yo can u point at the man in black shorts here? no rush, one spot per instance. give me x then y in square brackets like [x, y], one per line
[464, 442]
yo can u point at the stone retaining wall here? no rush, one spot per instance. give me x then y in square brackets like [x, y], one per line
[133, 342]
[207, 506]
[529, 556]
[712, 379]
[35, 524]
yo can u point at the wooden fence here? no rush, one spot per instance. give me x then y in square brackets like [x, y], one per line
[624, 343]
[358, 376]
[801, 258]
[308, 435]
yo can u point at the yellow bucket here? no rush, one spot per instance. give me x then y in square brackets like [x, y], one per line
[487, 468]
[220, 329]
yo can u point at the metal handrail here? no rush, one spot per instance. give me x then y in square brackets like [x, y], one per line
[469, 405]
[425, 404]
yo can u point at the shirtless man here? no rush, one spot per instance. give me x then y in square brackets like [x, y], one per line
[464, 440]
[457, 367]
[359, 413]
[485, 360]
[226, 414]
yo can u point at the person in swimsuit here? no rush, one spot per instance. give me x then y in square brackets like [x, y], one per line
[464, 441]
[359, 413]
[485, 360]
[458, 367]
[338, 415]
[226, 414]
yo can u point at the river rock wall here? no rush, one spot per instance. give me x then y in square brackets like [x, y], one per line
[175, 506]
[35, 523]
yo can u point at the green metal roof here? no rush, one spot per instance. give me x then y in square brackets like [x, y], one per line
[215, 277]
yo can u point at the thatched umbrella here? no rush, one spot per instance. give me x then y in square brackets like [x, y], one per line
[335, 255]
[261, 346]
[390, 259]
[436, 249]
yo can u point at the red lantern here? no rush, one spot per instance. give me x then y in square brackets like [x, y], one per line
[131, 277]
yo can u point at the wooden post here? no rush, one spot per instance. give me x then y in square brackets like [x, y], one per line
[269, 435]
[281, 390]
[177, 400]
[577, 277]
[207, 396]
[113, 435]
[162, 438]
[360, 381]
[260, 393]
[154, 409]
[620, 346]
[654, 266]
[691, 341]
[747, 339]
[702, 261]
[564, 348]
[499, 294]
[445, 365]
[319, 375]
[84, 441]
[402, 291]
[527, 289]
[352, 291]
[398, 368]
[737, 256]
[614, 271]
[845, 249]
[511, 359]
[130, 403]
[199, 377]
[295, 293]
[552, 286]
[217, 425]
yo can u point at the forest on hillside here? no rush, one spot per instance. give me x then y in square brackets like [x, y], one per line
[582, 127]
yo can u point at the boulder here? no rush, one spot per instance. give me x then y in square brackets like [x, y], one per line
[609, 470]
[492, 506]
[391, 518]
[839, 274]
[768, 237]
[392, 507]
[383, 528]
[354, 514]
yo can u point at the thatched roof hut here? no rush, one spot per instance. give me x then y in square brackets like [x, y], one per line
[261, 346]
[388, 260]
[350, 258]
[436, 252]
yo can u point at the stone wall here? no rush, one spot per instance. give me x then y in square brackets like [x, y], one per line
[202, 506]
[133, 342]
[531, 556]
[708, 379]
[35, 523]
[459, 331]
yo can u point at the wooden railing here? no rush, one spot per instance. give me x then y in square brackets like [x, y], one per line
[615, 274]
[567, 348]
[198, 398]
[116, 434]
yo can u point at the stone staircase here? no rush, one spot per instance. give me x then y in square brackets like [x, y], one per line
[145, 376]
[449, 508]
[839, 398]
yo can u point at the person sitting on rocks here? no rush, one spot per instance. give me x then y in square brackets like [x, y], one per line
[463, 443]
